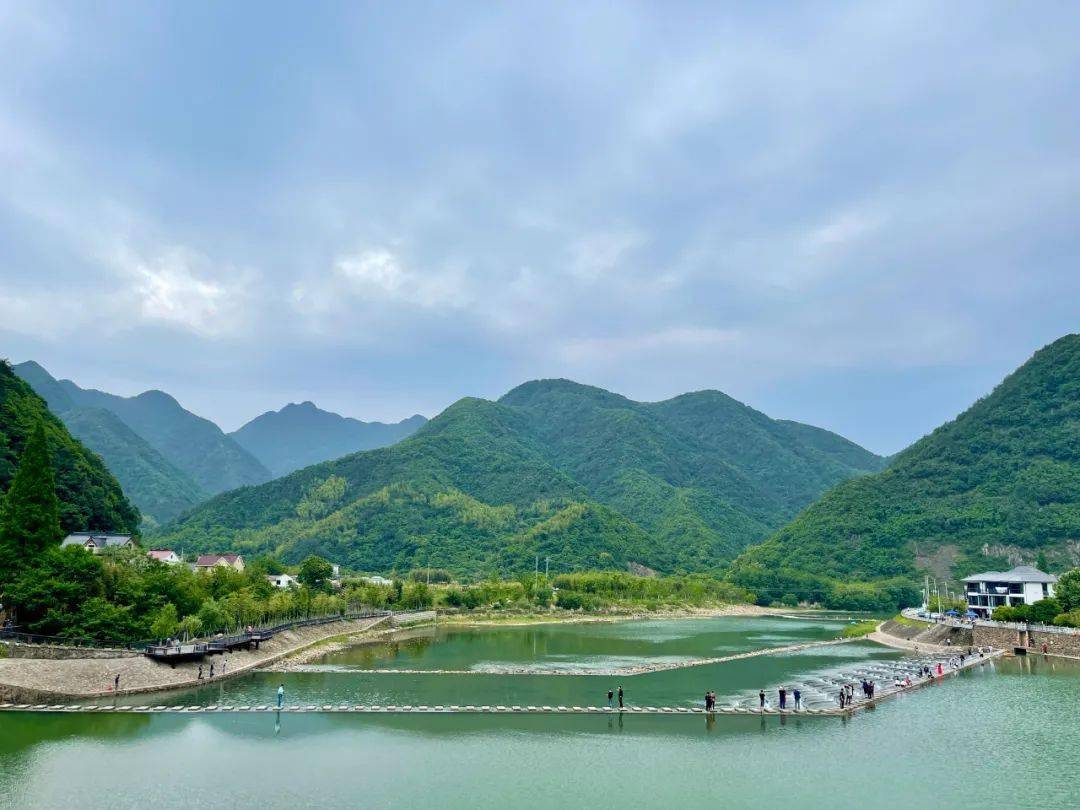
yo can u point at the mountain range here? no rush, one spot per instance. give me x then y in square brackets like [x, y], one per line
[554, 468]
[997, 486]
[299, 435]
[90, 497]
[168, 459]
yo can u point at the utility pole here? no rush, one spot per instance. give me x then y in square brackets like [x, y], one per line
[547, 563]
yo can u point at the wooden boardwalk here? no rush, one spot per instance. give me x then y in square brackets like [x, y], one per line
[343, 708]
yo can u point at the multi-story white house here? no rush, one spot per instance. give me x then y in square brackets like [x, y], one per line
[1023, 585]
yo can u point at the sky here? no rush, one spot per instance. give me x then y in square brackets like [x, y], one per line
[858, 215]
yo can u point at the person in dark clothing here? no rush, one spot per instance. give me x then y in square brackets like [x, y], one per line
[842, 694]
[798, 700]
[200, 672]
[610, 699]
[761, 698]
[783, 698]
[211, 669]
[708, 701]
[116, 683]
[620, 697]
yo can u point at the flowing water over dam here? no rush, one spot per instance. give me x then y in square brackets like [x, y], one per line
[1005, 722]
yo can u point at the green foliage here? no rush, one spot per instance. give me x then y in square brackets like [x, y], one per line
[1067, 590]
[321, 498]
[430, 575]
[165, 622]
[1069, 619]
[1005, 473]
[860, 629]
[1045, 610]
[194, 445]
[158, 488]
[30, 518]
[417, 596]
[315, 572]
[89, 497]
[588, 478]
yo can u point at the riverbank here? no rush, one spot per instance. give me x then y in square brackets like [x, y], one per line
[506, 619]
[49, 679]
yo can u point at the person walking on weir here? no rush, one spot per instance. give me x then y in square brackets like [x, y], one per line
[798, 700]
[610, 699]
[620, 697]
[783, 698]
[116, 683]
[842, 694]
[281, 696]
[761, 698]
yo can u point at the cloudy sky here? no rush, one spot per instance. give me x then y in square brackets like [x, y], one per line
[857, 215]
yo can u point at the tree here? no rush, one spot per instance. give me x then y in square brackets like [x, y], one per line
[30, 520]
[1045, 610]
[165, 622]
[1067, 590]
[315, 572]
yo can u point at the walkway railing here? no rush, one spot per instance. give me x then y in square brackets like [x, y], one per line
[19, 636]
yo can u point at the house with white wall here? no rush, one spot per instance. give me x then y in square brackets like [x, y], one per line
[1023, 585]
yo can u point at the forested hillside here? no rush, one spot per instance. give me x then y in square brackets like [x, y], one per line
[300, 435]
[998, 485]
[89, 497]
[158, 488]
[195, 446]
[587, 477]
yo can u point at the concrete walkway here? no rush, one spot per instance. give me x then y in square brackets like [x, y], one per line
[40, 680]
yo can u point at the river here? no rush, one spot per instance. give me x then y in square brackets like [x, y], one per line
[1007, 732]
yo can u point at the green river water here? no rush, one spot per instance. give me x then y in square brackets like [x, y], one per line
[1006, 733]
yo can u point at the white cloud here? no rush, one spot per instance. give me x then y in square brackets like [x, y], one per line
[179, 287]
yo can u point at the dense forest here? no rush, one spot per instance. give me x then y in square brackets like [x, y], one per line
[999, 484]
[195, 446]
[586, 477]
[89, 498]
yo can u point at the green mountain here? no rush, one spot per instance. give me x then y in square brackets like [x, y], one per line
[191, 444]
[996, 486]
[90, 498]
[587, 477]
[159, 489]
[301, 435]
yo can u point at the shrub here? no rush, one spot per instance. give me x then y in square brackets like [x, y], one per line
[1069, 619]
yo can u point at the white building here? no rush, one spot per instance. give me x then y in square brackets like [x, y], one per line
[1023, 585]
[376, 580]
[165, 555]
[282, 581]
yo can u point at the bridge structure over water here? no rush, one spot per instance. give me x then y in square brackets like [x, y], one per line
[343, 708]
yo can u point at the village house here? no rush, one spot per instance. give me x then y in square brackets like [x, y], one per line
[1023, 585]
[208, 562]
[96, 542]
[283, 581]
[164, 555]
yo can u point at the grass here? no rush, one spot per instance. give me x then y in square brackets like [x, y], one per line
[859, 629]
[899, 618]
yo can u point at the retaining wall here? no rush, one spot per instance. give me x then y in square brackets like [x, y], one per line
[1059, 640]
[56, 653]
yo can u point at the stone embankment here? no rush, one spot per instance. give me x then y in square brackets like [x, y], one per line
[37, 680]
[61, 653]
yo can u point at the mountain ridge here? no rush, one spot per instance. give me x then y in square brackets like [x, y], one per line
[996, 486]
[300, 434]
[469, 488]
